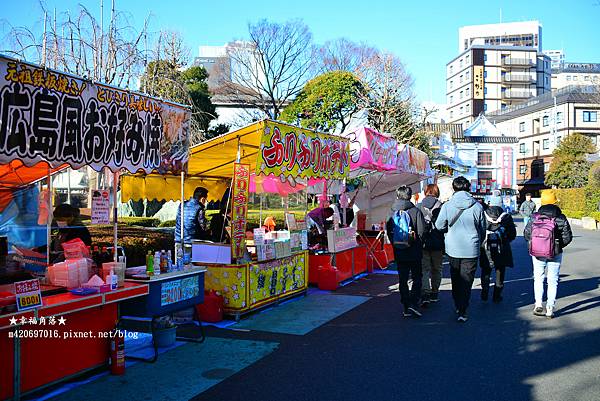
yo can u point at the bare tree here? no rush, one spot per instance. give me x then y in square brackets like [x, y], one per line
[344, 55]
[80, 44]
[270, 69]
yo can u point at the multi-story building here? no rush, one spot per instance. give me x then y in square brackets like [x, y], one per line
[483, 79]
[575, 74]
[557, 57]
[542, 122]
[522, 34]
[482, 153]
[216, 62]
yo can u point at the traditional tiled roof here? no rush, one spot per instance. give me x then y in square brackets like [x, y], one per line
[486, 139]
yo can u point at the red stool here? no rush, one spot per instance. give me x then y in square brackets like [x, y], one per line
[328, 279]
[212, 309]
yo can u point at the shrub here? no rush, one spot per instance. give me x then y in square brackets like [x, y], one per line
[573, 214]
[140, 221]
[595, 215]
[571, 199]
[167, 223]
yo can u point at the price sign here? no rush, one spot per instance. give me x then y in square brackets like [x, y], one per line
[101, 207]
[28, 294]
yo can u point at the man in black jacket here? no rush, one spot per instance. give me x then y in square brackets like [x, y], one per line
[496, 253]
[408, 258]
[562, 237]
[433, 245]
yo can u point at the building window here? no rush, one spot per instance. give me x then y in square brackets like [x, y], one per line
[522, 128]
[522, 148]
[485, 90]
[523, 169]
[568, 77]
[485, 57]
[558, 139]
[484, 73]
[485, 107]
[451, 114]
[461, 77]
[450, 69]
[546, 167]
[575, 77]
[590, 116]
[545, 121]
[451, 99]
[546, 143]
[503, 105]
[460, 95]
[451, 84]
[461, 62]
[484, 158]
[467, 107]
[586, 78]
[546, 78]
[468, 75]
[559, 117]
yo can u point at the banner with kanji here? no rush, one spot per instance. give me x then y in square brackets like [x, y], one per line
[59, 118]
[239, 208]
[371, 150]
[288, 151]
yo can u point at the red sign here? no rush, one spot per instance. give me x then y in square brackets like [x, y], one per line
[28, 294]
[507, 157]
[239, 211]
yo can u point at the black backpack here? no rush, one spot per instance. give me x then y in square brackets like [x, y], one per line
[433, 238]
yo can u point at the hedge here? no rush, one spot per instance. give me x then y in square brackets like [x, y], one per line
[140, 221]
[253, 218]
[571, 199]
[579, 202]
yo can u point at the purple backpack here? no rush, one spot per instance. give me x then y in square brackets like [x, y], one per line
[542, 244]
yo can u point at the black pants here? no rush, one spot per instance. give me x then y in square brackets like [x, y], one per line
[486, 275]
[462, 274]
[413, 269]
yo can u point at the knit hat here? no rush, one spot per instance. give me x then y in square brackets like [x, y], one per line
[548, 198]
[496, 201]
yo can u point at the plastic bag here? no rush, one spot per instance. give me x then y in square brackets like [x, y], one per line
[75, 249]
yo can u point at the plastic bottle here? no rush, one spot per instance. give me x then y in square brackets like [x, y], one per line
[163, 261]
[156, 269]
[112, 280]
[149, 264]
[169, 261]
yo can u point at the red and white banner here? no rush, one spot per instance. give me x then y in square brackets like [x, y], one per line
[507, 163]
[239, 210]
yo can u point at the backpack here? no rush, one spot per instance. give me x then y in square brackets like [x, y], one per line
[428, 216]
[542, 244]
[403, 233]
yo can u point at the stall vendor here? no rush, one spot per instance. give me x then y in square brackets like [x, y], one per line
[70, 227]
[269, 224]
[195, 225]
[316, 218]
[218, 227]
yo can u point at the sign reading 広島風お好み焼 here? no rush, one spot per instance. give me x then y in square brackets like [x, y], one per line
[60, 118]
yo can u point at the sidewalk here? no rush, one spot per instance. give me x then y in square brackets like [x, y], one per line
[368, 351]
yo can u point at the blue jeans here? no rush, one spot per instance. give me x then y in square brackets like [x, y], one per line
[526, 220]
[548, 269]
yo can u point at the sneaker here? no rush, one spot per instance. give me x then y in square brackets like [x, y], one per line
[549, 312]
[407, 313]
[538, 311]
[434, 297]
[462, 318]
[415, 312]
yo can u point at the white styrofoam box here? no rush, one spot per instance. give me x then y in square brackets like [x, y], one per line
[211, 253]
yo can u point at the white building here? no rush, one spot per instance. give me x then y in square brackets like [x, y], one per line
[575, 74]
[542, 122]
[484, 79]
[486, 156]
[522, 34]
[557, 57]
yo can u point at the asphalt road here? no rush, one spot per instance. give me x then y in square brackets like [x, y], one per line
[502, 353]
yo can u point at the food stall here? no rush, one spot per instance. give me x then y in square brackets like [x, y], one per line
[382, 165]
[51, 328]
[267, 157]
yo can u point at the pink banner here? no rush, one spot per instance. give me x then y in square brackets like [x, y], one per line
[371, 150]
[507, 156]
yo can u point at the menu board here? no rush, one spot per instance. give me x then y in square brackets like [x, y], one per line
[341, 239]
[101, 207]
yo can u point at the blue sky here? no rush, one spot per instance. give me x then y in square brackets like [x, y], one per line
[423, 34]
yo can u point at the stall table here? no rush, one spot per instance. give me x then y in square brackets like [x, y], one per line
[55, 354]
[349, 263]
[248, 287]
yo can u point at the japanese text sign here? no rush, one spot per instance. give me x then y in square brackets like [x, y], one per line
[100, 207]
[372, 150]
[239, 208]
[28, 294]
[478, 82]
[179, 290]
[288, 151]
[59, 118]
[507, 162]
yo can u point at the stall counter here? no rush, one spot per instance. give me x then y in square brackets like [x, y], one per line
[252, 286]
[37, 366]
[349, 264]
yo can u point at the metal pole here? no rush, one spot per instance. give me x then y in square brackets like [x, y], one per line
[16, 366]
[68, 172]
[181, 208]
[115, 186]
[44, 41]
[49, 219]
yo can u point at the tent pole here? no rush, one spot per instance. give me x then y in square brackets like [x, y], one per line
[50, 217]
[115, 186]
[181, 207]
